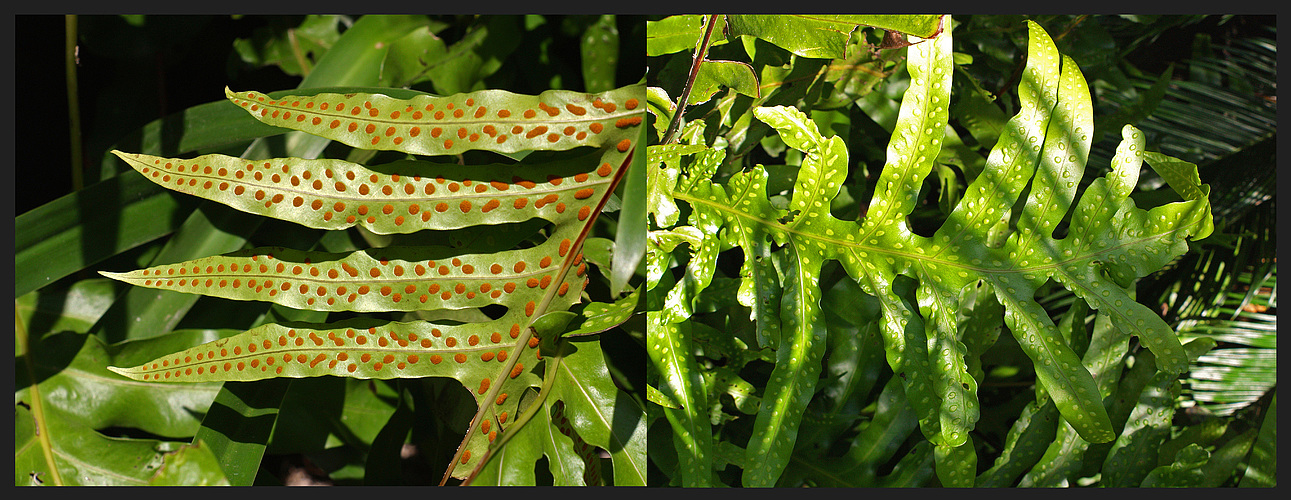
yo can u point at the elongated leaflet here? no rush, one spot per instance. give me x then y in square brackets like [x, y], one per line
[670, 348]
[495, 120]
[360, 348]
[400, 197]
[394, 279]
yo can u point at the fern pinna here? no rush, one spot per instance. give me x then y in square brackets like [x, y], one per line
[498, 360]
[1000, 238]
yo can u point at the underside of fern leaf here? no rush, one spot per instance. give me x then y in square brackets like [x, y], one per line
[919, 280]
[499, 359]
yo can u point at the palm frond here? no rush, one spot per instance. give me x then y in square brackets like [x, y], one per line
[1226, 288]
[1236, 86]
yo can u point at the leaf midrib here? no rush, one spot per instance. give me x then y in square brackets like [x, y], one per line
[538, 189]
[924, 258]
[613, 438]
[71, 458]
[800, 353]
[536, 120]
[341, 281]
[324, 349]
[86, 375]
[567, 264]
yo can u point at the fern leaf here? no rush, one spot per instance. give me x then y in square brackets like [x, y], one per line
[825, 36]
[599, 413]
[390, 279]
[1134, 454]
[495, 120]
[400, 197]
[920, 280]
[670, 350]
[1023, 447]
[496, 359]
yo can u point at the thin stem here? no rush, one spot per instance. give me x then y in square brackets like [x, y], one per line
[575, 250]
[37, 409]
[296, 52]
[1073, 25]
[457, 50]
[700, 52]
[74, 104]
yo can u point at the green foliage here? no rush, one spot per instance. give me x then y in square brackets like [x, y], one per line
[1262, 472]
[295, 49]
[534, 280]
[561, 397]
[780, 286]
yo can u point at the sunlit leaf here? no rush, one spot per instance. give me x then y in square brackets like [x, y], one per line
[919, 280]
[494, 120]
[825, 36]
[676, 33]
[717, 75]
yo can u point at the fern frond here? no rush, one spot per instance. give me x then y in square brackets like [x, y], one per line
[919, 281]
[496, 357]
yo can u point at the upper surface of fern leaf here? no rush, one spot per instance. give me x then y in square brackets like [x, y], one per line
[1038, 161]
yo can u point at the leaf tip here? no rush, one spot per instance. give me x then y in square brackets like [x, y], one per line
[124, 372]
[115, 276]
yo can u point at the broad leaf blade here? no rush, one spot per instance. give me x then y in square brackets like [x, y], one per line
[676, 33]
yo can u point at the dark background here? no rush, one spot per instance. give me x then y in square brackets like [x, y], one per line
[131, 75]
[128, 76]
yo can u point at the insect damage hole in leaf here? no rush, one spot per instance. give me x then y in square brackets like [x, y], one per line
[592, 137]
